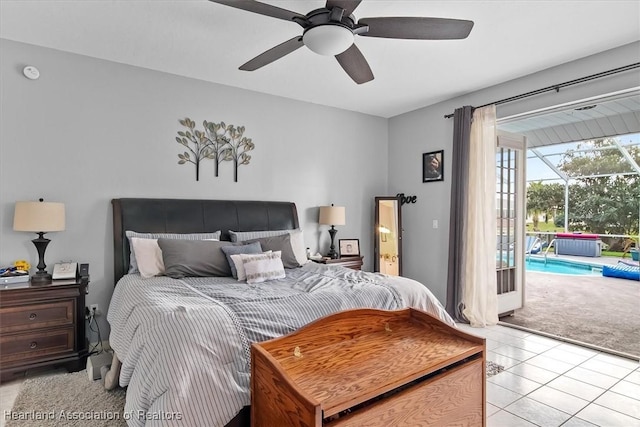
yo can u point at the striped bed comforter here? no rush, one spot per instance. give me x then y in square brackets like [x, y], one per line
[184, 344]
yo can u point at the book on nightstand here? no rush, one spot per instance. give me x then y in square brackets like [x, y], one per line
[14, 281]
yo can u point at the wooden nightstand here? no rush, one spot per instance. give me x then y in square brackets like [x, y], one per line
[42, 325]
[353, 262]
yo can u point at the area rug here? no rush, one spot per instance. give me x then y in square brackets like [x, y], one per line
[72, 400]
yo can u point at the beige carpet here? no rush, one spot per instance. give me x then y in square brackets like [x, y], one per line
[66, 400]
[601, 311]
[70, 400]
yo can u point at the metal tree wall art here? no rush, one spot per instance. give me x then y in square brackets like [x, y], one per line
[201, 145]
[219, 142]
[238, 145]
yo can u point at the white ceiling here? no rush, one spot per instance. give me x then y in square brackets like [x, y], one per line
[208, 41]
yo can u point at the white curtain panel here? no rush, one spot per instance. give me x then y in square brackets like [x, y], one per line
[479, 287]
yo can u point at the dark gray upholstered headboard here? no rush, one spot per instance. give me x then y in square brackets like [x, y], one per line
[193, 216]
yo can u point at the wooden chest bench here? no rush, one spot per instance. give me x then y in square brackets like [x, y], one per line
[369, 367]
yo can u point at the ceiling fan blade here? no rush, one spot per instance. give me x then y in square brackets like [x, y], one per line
[262, 9]
[354, 63]
[348, 5]
[417, 28]
[273, 54]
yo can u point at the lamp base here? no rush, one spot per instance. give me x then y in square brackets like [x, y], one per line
[332, 249]
[41, 278]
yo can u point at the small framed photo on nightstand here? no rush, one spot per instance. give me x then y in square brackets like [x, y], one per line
[349, 247]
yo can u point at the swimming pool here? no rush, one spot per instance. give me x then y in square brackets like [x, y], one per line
[558, 266]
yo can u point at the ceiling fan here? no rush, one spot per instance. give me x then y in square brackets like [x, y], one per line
[331, 31]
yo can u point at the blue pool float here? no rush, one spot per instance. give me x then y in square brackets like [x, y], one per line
[622, 270]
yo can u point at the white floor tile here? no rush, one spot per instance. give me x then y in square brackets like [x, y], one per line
[633, 377]
[550, 364]
[566, 356]
[491, 409]
[606, 368]
[618, 361]
[577, 349]
[627, 388]
[516, 353]
[537, 413]
[514, 382]
[559, 400]
[591, 377]
[506, 419]
[504, 361]
[500, 396]
[577, 422]
[534, 347]
[533, 373]
[620, 403]
[602, 416]
[576, 388]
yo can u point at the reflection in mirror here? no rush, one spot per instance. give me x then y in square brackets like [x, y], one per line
[387, 240]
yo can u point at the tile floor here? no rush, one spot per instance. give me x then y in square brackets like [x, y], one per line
[545, 383]
[550, 383]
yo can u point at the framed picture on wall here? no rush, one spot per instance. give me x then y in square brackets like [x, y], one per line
[433, 166]
[349, 247]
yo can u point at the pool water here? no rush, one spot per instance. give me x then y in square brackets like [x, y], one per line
[561, 267]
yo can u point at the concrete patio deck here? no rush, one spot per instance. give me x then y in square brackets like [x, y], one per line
[591, 309]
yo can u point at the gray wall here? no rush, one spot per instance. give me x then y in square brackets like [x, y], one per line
[90, 130]
[425, 249]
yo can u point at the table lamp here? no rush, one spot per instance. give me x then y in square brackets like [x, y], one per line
[39, 217]
[332, 215]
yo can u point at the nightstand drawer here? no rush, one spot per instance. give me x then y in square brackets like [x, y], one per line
[19, 347]
[36, 316]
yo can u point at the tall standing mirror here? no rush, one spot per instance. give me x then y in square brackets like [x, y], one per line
[387, 242]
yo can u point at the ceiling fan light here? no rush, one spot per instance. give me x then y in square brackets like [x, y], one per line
[328, 40]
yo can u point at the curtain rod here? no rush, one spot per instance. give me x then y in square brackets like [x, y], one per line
[557, 87]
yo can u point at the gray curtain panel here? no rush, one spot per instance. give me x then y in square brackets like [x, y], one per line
[459, 186]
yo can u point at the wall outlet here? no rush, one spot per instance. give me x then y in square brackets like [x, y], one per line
[95, 309]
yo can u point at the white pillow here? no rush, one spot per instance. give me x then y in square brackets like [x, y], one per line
[263, 267]
[148, 257]
[239, 264]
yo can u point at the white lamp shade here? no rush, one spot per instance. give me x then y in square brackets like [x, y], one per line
[328, 39]
[39, 217]
[332, 215]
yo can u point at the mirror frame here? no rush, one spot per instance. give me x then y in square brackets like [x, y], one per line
[376, 240]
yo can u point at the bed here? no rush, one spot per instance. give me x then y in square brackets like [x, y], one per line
[182, 344]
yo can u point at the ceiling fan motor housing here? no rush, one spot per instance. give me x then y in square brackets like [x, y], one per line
[328, 32]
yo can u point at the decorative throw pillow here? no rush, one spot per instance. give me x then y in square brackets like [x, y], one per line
[290, 242]
[133, 265]
[279, 243]
[194, 258]
[252, 248]
[239, 264]
[148, 256]
[263, 267]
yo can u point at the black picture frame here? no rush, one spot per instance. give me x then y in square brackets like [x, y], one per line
[349, 247]
[429, 173]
